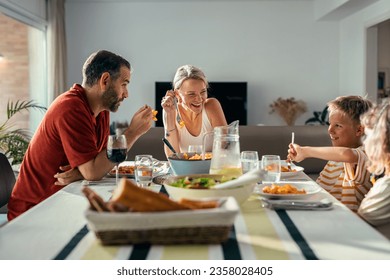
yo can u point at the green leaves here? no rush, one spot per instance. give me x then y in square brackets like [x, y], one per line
[14, 142]
[320, 117]
[13, 108]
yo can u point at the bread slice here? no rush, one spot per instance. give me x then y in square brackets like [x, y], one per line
[138, 199]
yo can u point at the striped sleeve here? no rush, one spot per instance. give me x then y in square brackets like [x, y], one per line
[330, 175]
[359, 174]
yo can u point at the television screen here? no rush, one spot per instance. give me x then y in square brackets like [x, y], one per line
[231, 95]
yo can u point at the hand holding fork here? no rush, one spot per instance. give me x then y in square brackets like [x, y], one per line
[169, 104]
[289, 160]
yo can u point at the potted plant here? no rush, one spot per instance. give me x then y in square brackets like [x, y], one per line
[320, 117]
[14, 141]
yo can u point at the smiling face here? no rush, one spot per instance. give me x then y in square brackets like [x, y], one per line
[117, 91]
[343, 131]
[193, 94]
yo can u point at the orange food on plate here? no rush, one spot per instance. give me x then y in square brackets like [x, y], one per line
[271, 167]
[286, 169]
[197, 156]
[124, 169]
[282, 189]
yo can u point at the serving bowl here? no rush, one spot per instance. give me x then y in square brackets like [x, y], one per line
[241, 193]
[181, 165]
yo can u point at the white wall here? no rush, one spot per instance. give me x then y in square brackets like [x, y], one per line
[353, 46]
[276, 46]
[384, 46]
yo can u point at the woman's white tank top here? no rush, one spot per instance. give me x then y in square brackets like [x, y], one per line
[187, 139]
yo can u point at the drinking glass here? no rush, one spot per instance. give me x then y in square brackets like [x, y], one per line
[143, 169]
[249, 161]
[195, 149]
[271, 164]
[116, 151]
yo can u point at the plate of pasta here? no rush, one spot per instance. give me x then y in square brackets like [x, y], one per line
[287, 190]
[294, 171]
[126, 169]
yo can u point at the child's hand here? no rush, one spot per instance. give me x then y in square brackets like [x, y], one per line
[295, 153]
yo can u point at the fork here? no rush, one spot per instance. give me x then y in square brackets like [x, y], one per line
[323, 204]
[292, 142]
[178, 117]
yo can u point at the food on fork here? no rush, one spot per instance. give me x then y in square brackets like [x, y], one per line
[282, 189]
[154, 115]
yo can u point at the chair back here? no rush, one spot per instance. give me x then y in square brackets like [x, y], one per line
[7, 180]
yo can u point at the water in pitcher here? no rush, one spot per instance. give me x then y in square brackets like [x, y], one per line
[226, 151]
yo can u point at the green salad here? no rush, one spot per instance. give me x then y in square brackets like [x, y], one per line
[197, 183]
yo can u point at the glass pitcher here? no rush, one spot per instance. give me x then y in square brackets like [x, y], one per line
[226, 151]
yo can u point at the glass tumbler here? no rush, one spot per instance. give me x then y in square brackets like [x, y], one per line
[195, 149]
[249, 161]
[143, 169]
[271, 164]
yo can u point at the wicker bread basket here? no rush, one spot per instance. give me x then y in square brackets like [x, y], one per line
[206, 226]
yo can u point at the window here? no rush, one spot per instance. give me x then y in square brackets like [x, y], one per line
[22, 68]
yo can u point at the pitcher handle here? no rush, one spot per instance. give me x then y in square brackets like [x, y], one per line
[204, 143]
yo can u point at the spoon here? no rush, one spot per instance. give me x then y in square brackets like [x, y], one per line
[252, 176]
[166, 142]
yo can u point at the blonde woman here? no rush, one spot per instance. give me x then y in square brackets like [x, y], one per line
[375, 207]
[188, 113]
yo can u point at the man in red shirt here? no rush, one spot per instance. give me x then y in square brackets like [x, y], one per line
[70, 142]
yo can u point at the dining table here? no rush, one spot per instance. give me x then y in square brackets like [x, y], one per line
[57, 229]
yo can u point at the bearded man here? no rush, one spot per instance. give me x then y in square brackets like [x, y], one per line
[70, 143]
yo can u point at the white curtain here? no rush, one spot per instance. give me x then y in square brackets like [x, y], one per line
[56, 49]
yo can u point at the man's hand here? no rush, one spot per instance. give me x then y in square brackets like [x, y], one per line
[141, 121]
[67, 176]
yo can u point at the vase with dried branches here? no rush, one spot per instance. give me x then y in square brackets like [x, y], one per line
[288, 109]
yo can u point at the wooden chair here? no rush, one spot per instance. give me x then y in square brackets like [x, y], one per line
[7, 182]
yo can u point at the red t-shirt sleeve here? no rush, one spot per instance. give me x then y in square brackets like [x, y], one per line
[82, 138]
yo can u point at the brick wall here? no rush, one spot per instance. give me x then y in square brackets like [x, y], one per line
[14, 67]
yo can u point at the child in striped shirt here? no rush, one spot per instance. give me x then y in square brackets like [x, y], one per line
[345, 176]
[375, 207]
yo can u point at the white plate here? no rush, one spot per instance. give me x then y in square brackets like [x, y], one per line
[298, 171]
[161, 169]
[310, 187]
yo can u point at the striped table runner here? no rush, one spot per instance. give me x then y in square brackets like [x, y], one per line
[253, 236]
